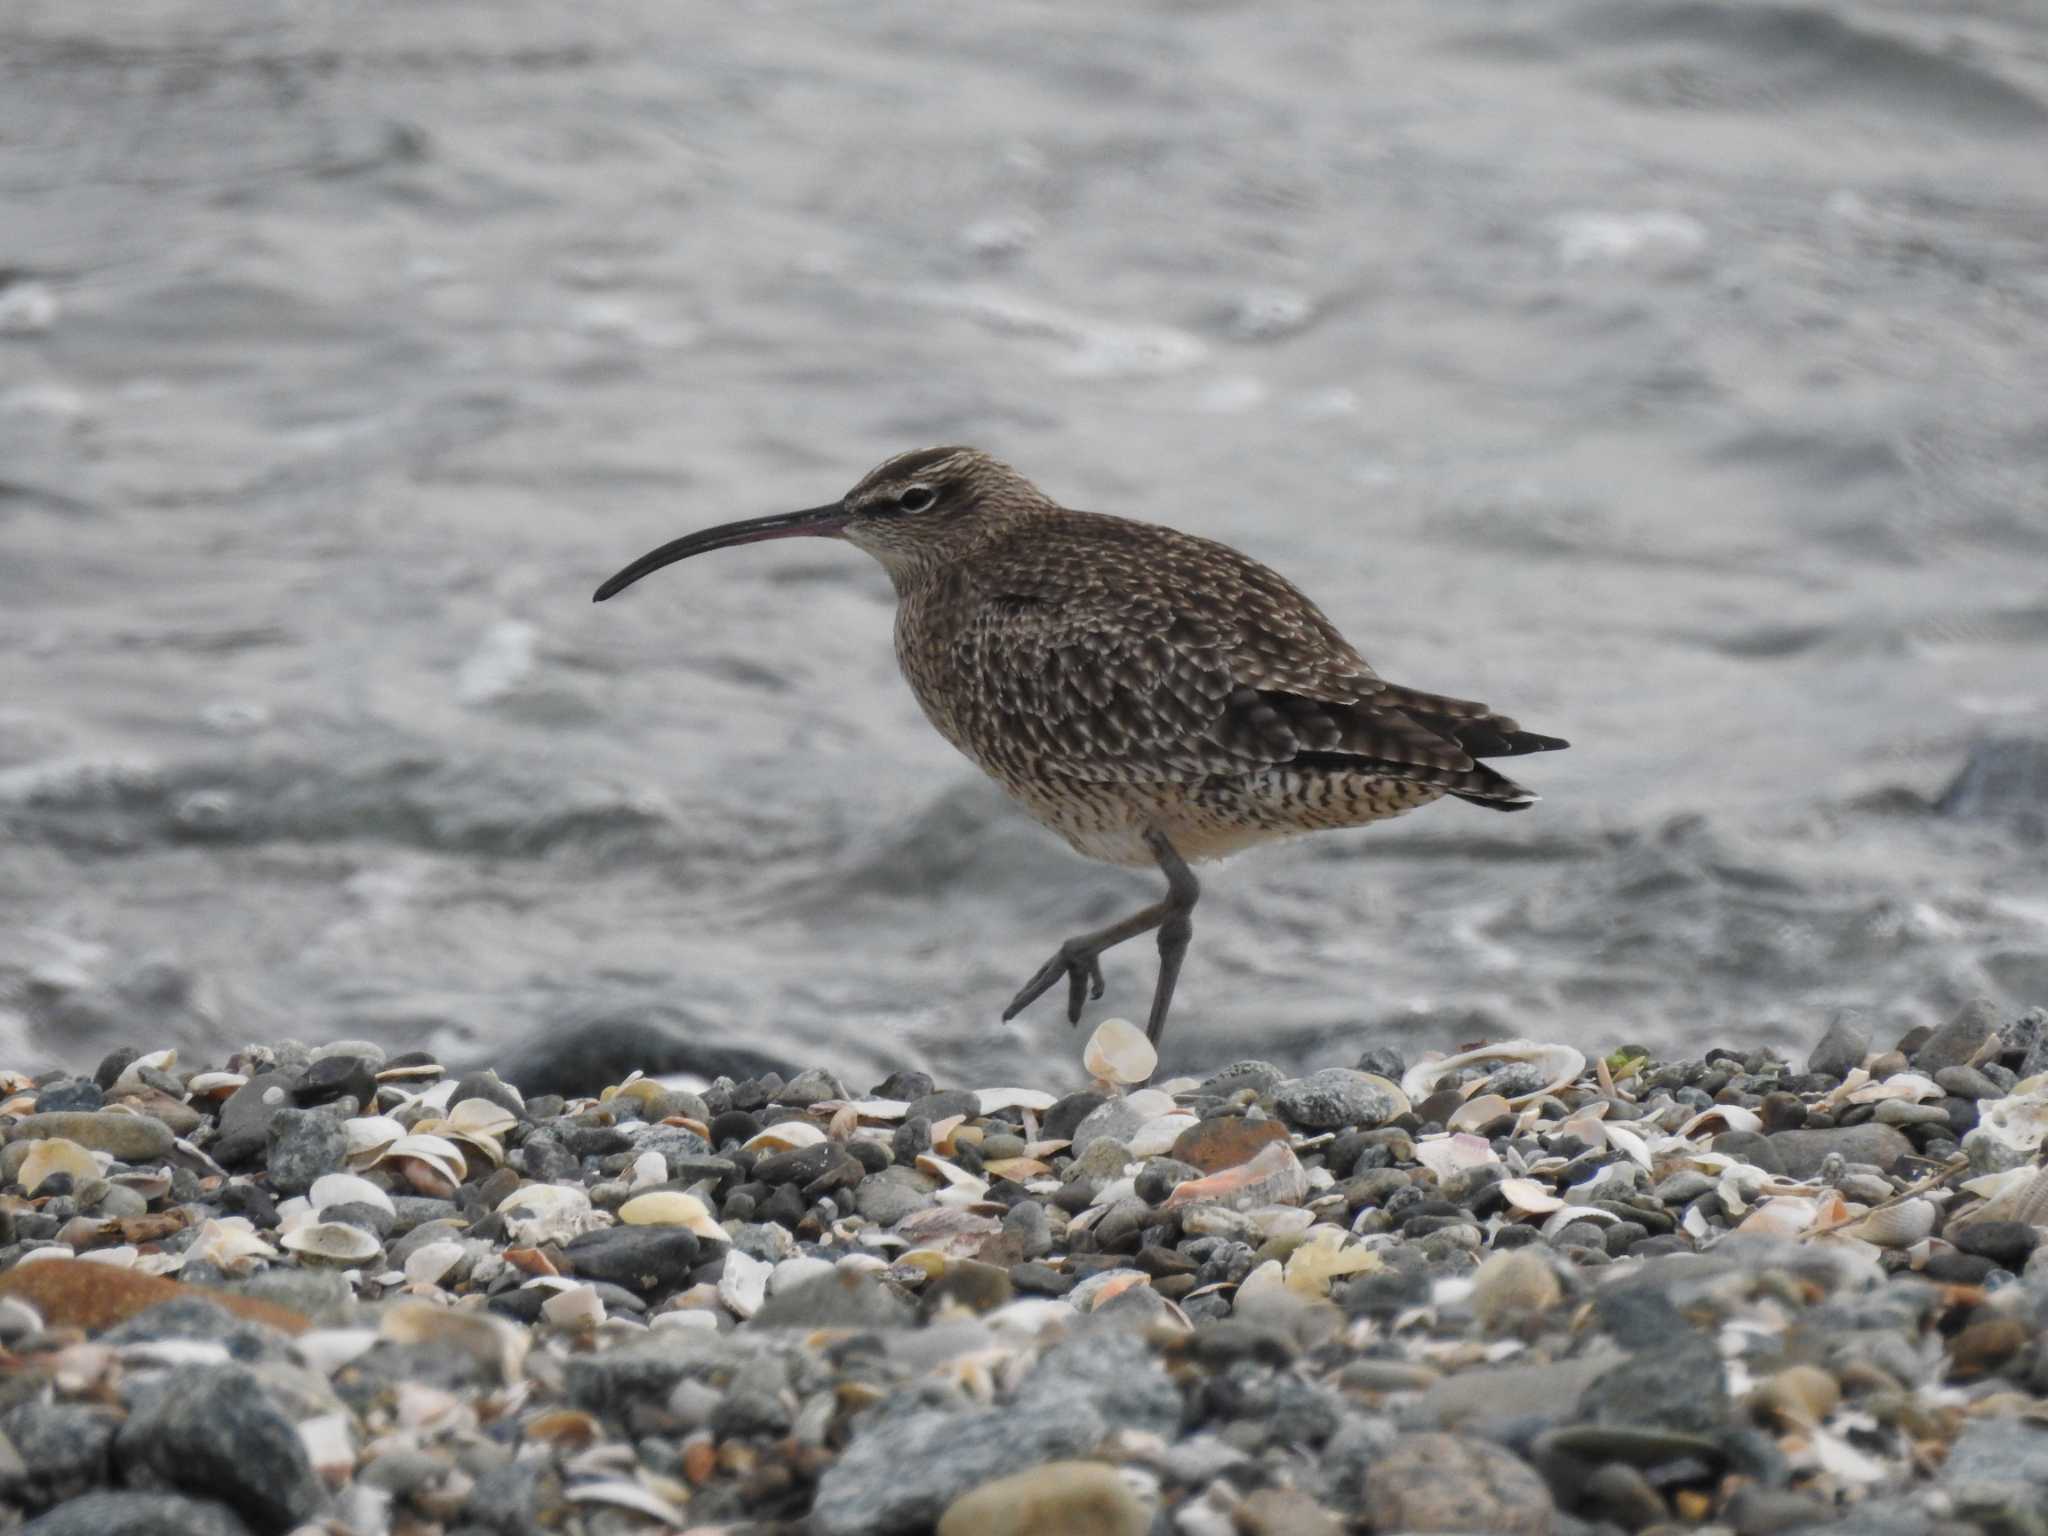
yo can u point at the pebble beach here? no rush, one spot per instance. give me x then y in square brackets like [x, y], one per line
[1510, 1287]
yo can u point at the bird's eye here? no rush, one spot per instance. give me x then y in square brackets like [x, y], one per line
[916, 499]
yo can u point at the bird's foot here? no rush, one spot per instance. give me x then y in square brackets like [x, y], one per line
[1080, 963]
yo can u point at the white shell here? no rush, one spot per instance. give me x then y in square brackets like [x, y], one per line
[54, 1155]
[994, 1100]
[1895, 1226]
[743, 1284]
[1446, 1155]
[437, 1152]
[786, 1136]
[1118, 1052]
[1561, 1066]
[541, 1213]
[2020, 1119]
[1530, 1197]
[334, 1242]
[1156, 1137]
[431, 1263]
[1481, 1109]
[1733, 1116]
[369, 1135]
[577, 1307]
[672, 1208]
[348, 1189]
[1900, 1085]
[230, 1243]
[624, 1495]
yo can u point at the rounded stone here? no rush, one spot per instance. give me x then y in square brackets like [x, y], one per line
[1436, 1482]
[130, 1138]
[1225, 1141]
[1061, 1498]
[1334, 1098]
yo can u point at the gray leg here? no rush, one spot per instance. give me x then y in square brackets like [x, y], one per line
[1079, 960]
[1176, 927]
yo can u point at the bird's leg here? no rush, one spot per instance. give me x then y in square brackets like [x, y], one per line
[1079, 960]
[1176, 927]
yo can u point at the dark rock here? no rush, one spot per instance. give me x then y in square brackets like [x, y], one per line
[63, 1451]
[138, 1514]
[841, 1299]
[1754, 1147]
[734, 1125]
[2007, 1242]
[486, 1084]
[1842, 1046]
[582, 1057]
[69, 1093]
[1800, 1153]
[800, 1166]
[812, 1087]
[1065, 1117]
[1334, 1098]
[335, 1077]
[1680, 1385]
[243, 1133]
[1960, 1039]
[113, 1064]
[643, 1259]
[908, 1087]
[1755, 1511]
[911, 1139]
[678, 1145]
[517, 1498]
[1260, 1077]
[945, 1104]
[1382, 1061]
[305, 1144]
[215, 1429]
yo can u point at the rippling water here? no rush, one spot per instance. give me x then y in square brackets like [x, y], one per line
[1669, 374]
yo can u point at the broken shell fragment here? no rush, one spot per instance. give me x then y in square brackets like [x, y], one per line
[786, 1136]
[333, 1242]
[55, 1155]
[672, 1208]
[1558, 1066]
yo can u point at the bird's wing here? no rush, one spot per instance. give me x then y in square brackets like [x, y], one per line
[1134, 653]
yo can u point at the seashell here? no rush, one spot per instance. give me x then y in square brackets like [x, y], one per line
[1529, 1197]
[548, 1213]
[1560, 1065]
[881, 1110]
[122, 1257]
[1729, 1116]
[2019, 1121]
[150, 1183]
[436, 1151]
[621, 1494]
[431, 1263]
[1446, 1155]
[1558, 1220]
[1267, 1280]
[577, 1307]
[1900, 1085]
[1895, 1226]
[650, 1168]
[671, 1208]
[943, 1129]
[348, 1189]
[843, 1124]
[951, 1173]
[231, 1244]
[1155, 1138]
[330, 1445]
[1782, 1216]
[1799, 1396]
[800, 1270]
[368, 1136]
[1020, 1169]
[54, 1155]
[786, 1136]
[993, 1101]
[1482, 1109]
[410, 1072]
[1275, 1176]
[214, 1085]
[1118, 1052]
[743, 1284]
[1324, 1258]
[333, 1242]
[958, 1234]
[1103, 1286]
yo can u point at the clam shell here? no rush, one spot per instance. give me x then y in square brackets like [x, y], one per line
[368, 1136]
[1560, 1065]
[1481, 1109]
[1529, 1197]
[348, 1189]
[1275, 1176]
[1118, 1052]
[333, 1242]
[431, 1263]
[230, 1243]
[1731, 1117]
[1446, 1155]
[2020, 1119]
[995, 1100]
[1895, 1226]
[1156, 1137]
[1900, 1085]
[672, 1208]
[54, 1155]
[786, 1136]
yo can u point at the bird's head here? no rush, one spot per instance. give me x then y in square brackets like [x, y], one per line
[914, 512]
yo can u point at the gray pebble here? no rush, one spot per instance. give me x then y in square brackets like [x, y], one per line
[215, 1429]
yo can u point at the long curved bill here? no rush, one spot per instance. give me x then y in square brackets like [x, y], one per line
[824, 521]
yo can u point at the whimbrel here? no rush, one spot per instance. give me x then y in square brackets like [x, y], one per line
[1153, 697]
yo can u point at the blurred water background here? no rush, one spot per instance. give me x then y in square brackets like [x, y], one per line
[1669, 374]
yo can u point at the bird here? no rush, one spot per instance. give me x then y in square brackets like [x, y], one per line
[1156, 698]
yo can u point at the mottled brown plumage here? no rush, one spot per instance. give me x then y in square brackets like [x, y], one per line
[1151, 696]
